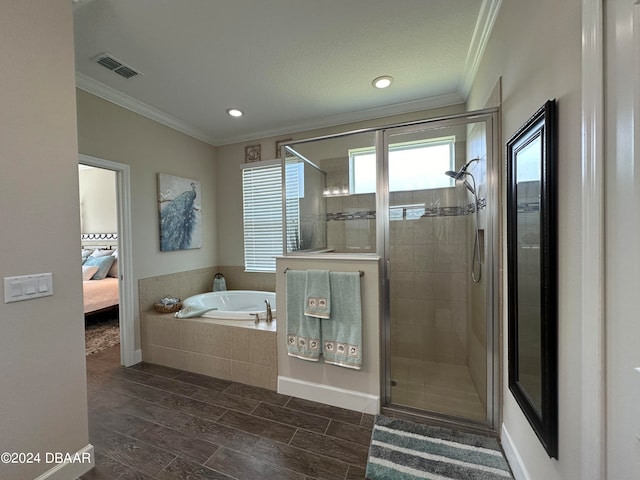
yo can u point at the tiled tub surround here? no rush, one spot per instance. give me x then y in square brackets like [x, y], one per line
[233, 350]
[192, 282]
[229, 350]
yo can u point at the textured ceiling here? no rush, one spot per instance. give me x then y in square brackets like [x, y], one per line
[291, 65]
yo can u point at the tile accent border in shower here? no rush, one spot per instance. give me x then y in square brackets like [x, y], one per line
[410, 212]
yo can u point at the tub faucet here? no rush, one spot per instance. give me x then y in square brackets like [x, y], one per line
[269, 314]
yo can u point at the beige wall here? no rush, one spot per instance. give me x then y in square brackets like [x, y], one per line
[43, 401]
[323, 382]
[110, 132]
[98, 207]
[536, 49]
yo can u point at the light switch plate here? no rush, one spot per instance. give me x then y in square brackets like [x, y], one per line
[26, 287]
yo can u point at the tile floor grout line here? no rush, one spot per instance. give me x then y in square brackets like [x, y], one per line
[327, 429]
[175, 455]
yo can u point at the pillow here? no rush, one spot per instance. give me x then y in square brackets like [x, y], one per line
[113, 271]
[85, 254]
[103, 264]
[98, 252]
[88, 272]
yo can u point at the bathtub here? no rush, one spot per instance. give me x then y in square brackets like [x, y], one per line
[233, 304]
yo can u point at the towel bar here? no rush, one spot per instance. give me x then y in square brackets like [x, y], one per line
[359, 271]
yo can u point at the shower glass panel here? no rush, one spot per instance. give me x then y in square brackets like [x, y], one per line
[305, 209]
[337, 210]
[437, 357]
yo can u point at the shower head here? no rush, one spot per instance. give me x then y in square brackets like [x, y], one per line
[454, 175]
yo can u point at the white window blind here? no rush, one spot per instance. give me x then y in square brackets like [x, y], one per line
[262, 216]
[294, 191]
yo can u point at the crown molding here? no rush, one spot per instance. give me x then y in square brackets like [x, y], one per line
[351, 117]
[481, 33]
[112, 95]
[105, 92]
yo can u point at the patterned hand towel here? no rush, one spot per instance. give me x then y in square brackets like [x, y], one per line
[342, 334]
[303, 333]
[317, 294]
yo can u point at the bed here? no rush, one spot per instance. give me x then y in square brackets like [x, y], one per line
[100, 272]
[100, 295]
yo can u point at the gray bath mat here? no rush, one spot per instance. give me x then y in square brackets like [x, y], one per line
[402, 450]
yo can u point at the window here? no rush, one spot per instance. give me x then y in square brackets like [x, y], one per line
[294, 192]
[262, 213]
[412, 166]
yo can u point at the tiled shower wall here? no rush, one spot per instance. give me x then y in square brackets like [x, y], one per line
[351, 219]
[351, 223]
[429, 278]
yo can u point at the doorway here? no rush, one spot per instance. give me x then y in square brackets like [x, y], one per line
[438, 235]
[128, 355]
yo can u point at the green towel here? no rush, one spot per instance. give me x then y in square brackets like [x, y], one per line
[342, 334]
[303, 333]
[316, 294]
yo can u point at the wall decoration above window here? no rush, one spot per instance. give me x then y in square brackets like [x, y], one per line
[279, 145]
[180, 213]
[252, 153]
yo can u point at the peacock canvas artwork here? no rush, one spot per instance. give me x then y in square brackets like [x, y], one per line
[180, 213]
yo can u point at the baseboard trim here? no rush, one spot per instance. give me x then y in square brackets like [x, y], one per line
[335, 396]
[137, 356]
[513, 456]
[67, 470]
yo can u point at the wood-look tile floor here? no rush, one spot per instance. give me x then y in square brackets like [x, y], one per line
[152, 422]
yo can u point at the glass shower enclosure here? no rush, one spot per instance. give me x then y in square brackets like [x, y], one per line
[423, 198]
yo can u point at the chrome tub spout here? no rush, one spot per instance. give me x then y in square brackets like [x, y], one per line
[269, 314]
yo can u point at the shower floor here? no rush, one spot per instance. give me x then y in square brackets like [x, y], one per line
[435, 387]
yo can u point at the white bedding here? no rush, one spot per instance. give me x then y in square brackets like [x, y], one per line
[100, 294]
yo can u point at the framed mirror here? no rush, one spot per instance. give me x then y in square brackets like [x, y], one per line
[532, 273]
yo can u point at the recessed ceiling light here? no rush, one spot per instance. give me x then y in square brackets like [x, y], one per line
[382, 82]
[235, 112]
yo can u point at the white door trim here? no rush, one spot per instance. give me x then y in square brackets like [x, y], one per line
[593, 445]
[128, 355]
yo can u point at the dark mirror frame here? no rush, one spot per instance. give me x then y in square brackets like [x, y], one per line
[543, 414]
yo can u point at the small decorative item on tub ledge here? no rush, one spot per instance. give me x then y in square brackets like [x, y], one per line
[168, 305]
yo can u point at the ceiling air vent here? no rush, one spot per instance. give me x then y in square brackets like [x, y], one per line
[116, 66]
[126, 72]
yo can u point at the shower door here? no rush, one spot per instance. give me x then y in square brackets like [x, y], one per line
[437, 235]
